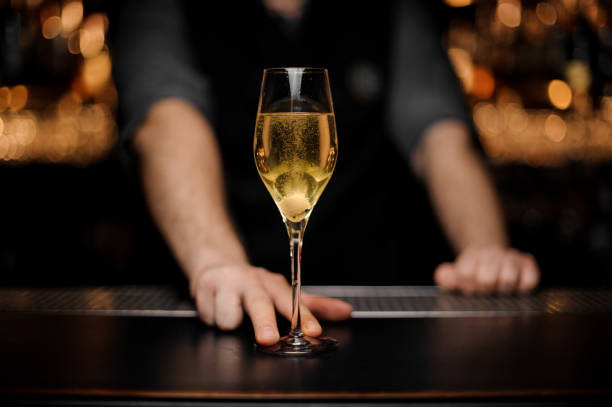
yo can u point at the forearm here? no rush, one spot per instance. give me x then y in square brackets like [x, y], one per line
[459, 187]
[183, 184]
[181, 174]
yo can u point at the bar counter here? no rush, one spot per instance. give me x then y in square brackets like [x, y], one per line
[99, 345]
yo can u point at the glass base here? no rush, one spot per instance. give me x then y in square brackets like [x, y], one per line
[304, 346]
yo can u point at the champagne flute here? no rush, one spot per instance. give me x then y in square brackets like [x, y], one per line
[295, 151]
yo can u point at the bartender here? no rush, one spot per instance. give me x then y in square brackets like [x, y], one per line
[188, 75]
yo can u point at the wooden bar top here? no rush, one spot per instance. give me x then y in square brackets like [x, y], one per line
[500, 356]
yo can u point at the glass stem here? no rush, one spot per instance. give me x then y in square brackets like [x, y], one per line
[296, 234]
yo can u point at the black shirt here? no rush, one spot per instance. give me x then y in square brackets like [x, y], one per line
[390, 79]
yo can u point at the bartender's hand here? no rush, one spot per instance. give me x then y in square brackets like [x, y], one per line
[489, 270]
[222, 291]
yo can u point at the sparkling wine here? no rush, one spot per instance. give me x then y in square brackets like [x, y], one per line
[295, 154]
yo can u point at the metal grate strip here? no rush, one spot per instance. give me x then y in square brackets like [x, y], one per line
[124, 300]
[368, 302]
[403, 302]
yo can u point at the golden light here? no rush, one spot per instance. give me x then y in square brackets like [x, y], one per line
[19, 98]
[27, 133]
[462, 64]
[52, 27]
[599, 139]
[72, 15]
[508, 12]
[14, 150]
[483, 83]
[546, 13]
[51, 9]
[594, 14]
[56, 150]
[606, 108]
[69, 106]
[459, 3]
[559, 94]
[534, 30]
[91, 35]
[66, 141]
[96, 71]
[5, 98]
[4, 146]
[22, 130]
[107, 96]
[1, 126]
[578, 75]
[74, 45]
[570, 5]
[92, 119]
[487, 119]
[516, 118]
[33, 3]
[555, 128]
[583, 103]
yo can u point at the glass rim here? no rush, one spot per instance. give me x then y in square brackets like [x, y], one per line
[288, 68]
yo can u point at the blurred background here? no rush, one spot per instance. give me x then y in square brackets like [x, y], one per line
[537, 76]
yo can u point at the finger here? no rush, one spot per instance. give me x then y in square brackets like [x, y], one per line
[204, 296]
[261, 311]
[445, 277]
[465, 269]
[282, 297]
[280, 292]
[487, 272]
[330, 309]
[508, 276]
[228, 309]
[310, 325]
[529, 276]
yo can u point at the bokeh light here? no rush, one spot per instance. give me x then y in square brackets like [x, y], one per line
[75, 125]
[50, 9]
[555, 128]
[559, 94]
[570, 5]
[19, 98]
[5, 98]
[487, 119]
[578, 75]
[52, 27]
[72, 15]
[546, 13]
[532, 119]
[69, 106]
[91, 119]
[509, 13]
[596, 15]
[33, 3]
[96, 72]
[459, 3]
[483, 83]
[606, 108]
[74, 43]
[515, 118]
[91, 35]
[462, 64]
